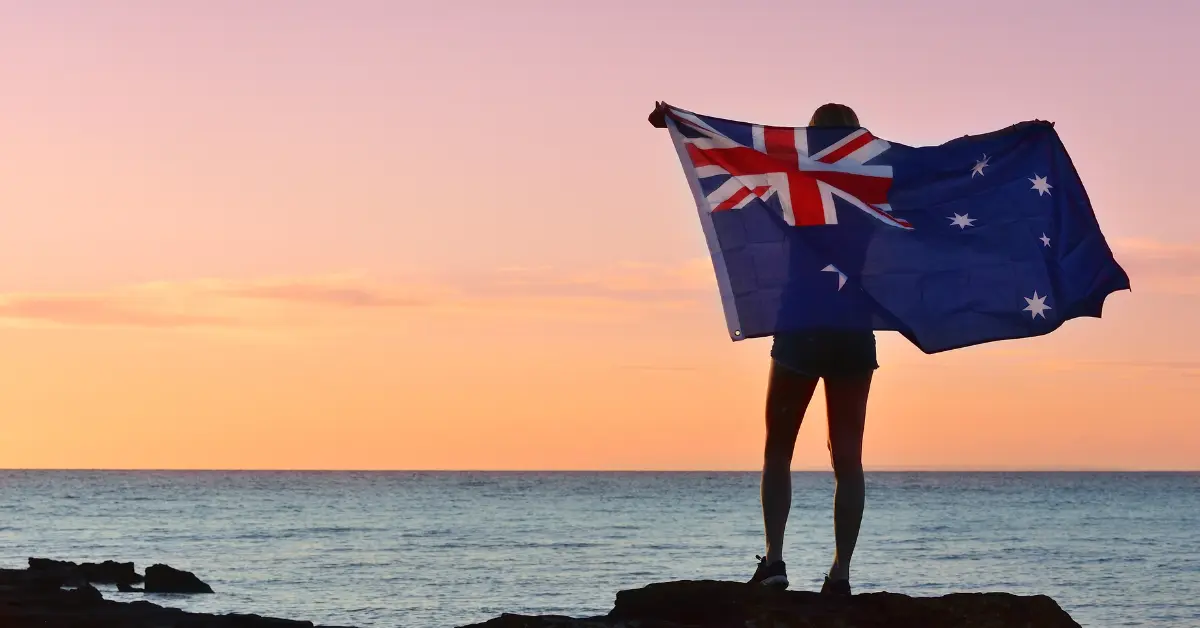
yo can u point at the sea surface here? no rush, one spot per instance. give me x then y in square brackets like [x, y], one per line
[447, 549]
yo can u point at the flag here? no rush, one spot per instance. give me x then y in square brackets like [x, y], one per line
[983, 238]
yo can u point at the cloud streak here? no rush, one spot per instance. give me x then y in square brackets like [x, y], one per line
[1160, 266]
[649, 368]
[622, 290]
[319, 294]
[1185, 368]
[99, 311]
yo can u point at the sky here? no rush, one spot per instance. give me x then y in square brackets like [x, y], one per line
[441, 235]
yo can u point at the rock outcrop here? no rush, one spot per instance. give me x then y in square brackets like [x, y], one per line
[158, 578]
[34, 598]
[107, 572]
[167, 579]
[709, 604]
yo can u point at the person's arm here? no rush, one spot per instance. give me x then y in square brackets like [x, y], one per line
[658, 117]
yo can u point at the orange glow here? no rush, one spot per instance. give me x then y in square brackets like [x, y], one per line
[385, 236]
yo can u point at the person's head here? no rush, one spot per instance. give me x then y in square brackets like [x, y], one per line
[833, 114]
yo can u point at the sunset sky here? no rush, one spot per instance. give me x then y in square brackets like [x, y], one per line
[441, 235]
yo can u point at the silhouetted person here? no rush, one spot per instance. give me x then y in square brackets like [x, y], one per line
[846, 360]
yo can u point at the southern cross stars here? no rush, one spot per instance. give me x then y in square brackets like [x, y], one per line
[1037, 306]
[1044, 239]
[962, 222]
[979, 166]
[841, 276]
[1040, 184]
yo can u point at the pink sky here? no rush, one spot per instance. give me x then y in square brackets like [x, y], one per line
[441, 235]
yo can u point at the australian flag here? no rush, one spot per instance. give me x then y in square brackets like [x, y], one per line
[983, 238]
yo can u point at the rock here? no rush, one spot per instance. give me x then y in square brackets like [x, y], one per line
[32, 598]
[125, 588]
[256, 621]
[107, 572]
[47, 564]
[711, 604]
[167, 579]
[84, 595]
[31, 581]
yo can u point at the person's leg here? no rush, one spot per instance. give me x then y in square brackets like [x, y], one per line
[846, 402]
[788, 394]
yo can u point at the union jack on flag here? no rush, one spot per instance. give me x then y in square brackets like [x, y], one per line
[798, 171]
[982, 238]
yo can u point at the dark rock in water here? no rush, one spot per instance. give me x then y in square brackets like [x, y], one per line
[27, 600]
[126, 588]
[48, 564]
[107, 572]
[167, 579]
[709, 604]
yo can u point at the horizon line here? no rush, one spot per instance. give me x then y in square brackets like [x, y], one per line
[631, 470]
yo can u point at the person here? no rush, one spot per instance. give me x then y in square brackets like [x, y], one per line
[846, 360]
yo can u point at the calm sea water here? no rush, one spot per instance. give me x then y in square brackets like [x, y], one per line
[446, 549]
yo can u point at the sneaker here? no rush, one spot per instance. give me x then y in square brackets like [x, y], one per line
[835, 587]
[772, 575]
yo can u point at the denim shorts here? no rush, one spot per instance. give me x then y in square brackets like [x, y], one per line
[826, 353]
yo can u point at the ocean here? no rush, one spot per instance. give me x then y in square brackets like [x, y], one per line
[421, 549]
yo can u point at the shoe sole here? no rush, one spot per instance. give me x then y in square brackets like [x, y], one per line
[775, 581]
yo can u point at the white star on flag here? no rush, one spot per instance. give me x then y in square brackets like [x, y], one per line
[962, 222]
[1040, 184]
[841, 276]
[979, 166]
[1037, 306]
[1045, 240]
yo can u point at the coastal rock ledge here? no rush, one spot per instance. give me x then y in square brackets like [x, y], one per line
[712, 604]
[60, 595]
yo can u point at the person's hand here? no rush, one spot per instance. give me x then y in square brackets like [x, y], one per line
[658, 117]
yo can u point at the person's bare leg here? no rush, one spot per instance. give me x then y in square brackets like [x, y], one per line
[846, 402]
[788, 394]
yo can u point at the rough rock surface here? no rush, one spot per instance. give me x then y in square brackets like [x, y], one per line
[709, 604]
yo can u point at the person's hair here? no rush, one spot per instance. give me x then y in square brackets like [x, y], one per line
[833, 114]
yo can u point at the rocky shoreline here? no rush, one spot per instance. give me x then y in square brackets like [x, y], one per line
[59, 594]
